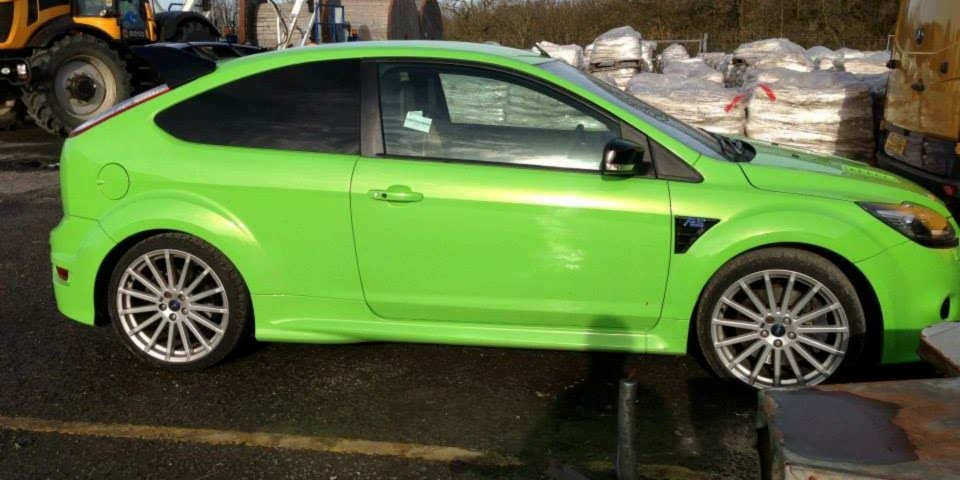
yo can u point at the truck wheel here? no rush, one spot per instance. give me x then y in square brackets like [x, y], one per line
[77, 78]
[194, 32]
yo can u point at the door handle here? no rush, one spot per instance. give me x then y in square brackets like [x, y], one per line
[396, 194]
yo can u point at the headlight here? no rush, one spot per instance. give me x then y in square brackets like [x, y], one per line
[917, 223]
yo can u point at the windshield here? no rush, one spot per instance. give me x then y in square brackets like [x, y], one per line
[695, 138]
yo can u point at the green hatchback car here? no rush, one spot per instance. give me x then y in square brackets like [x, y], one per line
[478, 195]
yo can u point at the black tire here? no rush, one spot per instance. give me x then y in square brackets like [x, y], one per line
[51, 110]
[237, 299]
[193, 31]
[777, 324]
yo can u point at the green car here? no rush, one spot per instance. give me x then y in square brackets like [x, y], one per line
[478, 195]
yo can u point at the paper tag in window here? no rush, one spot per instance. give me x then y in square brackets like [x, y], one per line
[416, 121]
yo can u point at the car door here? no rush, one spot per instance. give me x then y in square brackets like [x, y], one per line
[486, 206]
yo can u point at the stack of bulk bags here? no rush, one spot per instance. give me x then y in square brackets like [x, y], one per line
[585, 62]
[692, 68]
[647, 49]
[617, 55]
[822, 57]
[672, 53]
[571, 54]
[752, 57]
[824, 111]
[531, 109]
[695, 101]
[475, 100]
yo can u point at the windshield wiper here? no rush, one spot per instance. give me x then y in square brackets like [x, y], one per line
[733, 148]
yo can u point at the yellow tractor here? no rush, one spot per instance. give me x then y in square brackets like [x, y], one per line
[70, 60]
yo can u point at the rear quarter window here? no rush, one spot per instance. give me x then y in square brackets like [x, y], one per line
[313, 107]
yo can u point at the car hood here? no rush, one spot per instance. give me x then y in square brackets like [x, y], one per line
[788, 170]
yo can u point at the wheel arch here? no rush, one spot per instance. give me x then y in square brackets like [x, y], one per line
[61, 27]
[242, 254]
[873, 313]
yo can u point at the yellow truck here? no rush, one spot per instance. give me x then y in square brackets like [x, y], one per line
[70, 60]
[920, 131]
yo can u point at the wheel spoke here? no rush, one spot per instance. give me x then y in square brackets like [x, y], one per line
[746, 353]
[769, 287]
[736, 324]
[738, 339]
[804, 300]
[776, 367]
[148, 308]
[809, 358]
[787, 292]
[817, 313]
[205, 323]
[146, 323]
[196, 281]
[169, 342]
[196, 333]
[819, 345]
[140, 295]
[183, 273]
[760, 361]
[185, 340]
[201, 296]
[744, 310]
[166, 257]
[150, 286]
[207, 308]
[156, 335]
[822, 329]
[753, 298]
[154, 271]
[794, 365]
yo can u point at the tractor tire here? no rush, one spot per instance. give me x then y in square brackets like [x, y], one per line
[76, 78]
[193, 31]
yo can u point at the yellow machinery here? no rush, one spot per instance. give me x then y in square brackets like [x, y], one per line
[69, 60]
[921, 127]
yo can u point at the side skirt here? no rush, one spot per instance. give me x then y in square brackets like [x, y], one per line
[289, 319]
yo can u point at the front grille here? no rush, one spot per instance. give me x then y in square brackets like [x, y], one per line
[6, 20]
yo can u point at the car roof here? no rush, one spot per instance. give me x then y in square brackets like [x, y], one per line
[430, 49]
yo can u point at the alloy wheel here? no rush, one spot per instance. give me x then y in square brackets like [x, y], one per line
[779, 328]
[172, 306]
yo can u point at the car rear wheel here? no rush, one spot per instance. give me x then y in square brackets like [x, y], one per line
[780, 317]
[177, 302]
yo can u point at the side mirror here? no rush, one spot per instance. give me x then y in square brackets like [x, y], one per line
[622, 158]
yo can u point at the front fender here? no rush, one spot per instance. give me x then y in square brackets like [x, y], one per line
[760, 219]
[197, 216]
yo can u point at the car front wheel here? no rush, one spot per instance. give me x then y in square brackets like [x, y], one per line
[177, 302]
[780, 317]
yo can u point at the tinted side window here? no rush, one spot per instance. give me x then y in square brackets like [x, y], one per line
[473, 114]
[312, 107]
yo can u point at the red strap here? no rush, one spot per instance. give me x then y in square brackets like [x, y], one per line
[739, 98]
[733, 103]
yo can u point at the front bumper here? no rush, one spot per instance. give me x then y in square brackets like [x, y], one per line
[916, 287]
[78, 245]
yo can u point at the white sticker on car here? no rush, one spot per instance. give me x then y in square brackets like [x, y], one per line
[416, 121]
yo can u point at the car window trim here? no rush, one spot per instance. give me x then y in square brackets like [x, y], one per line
[372, 128]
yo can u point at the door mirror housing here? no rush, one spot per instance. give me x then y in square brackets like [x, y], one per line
[623, 158]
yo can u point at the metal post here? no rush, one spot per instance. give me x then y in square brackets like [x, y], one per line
[242, 21]
[626, 431]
